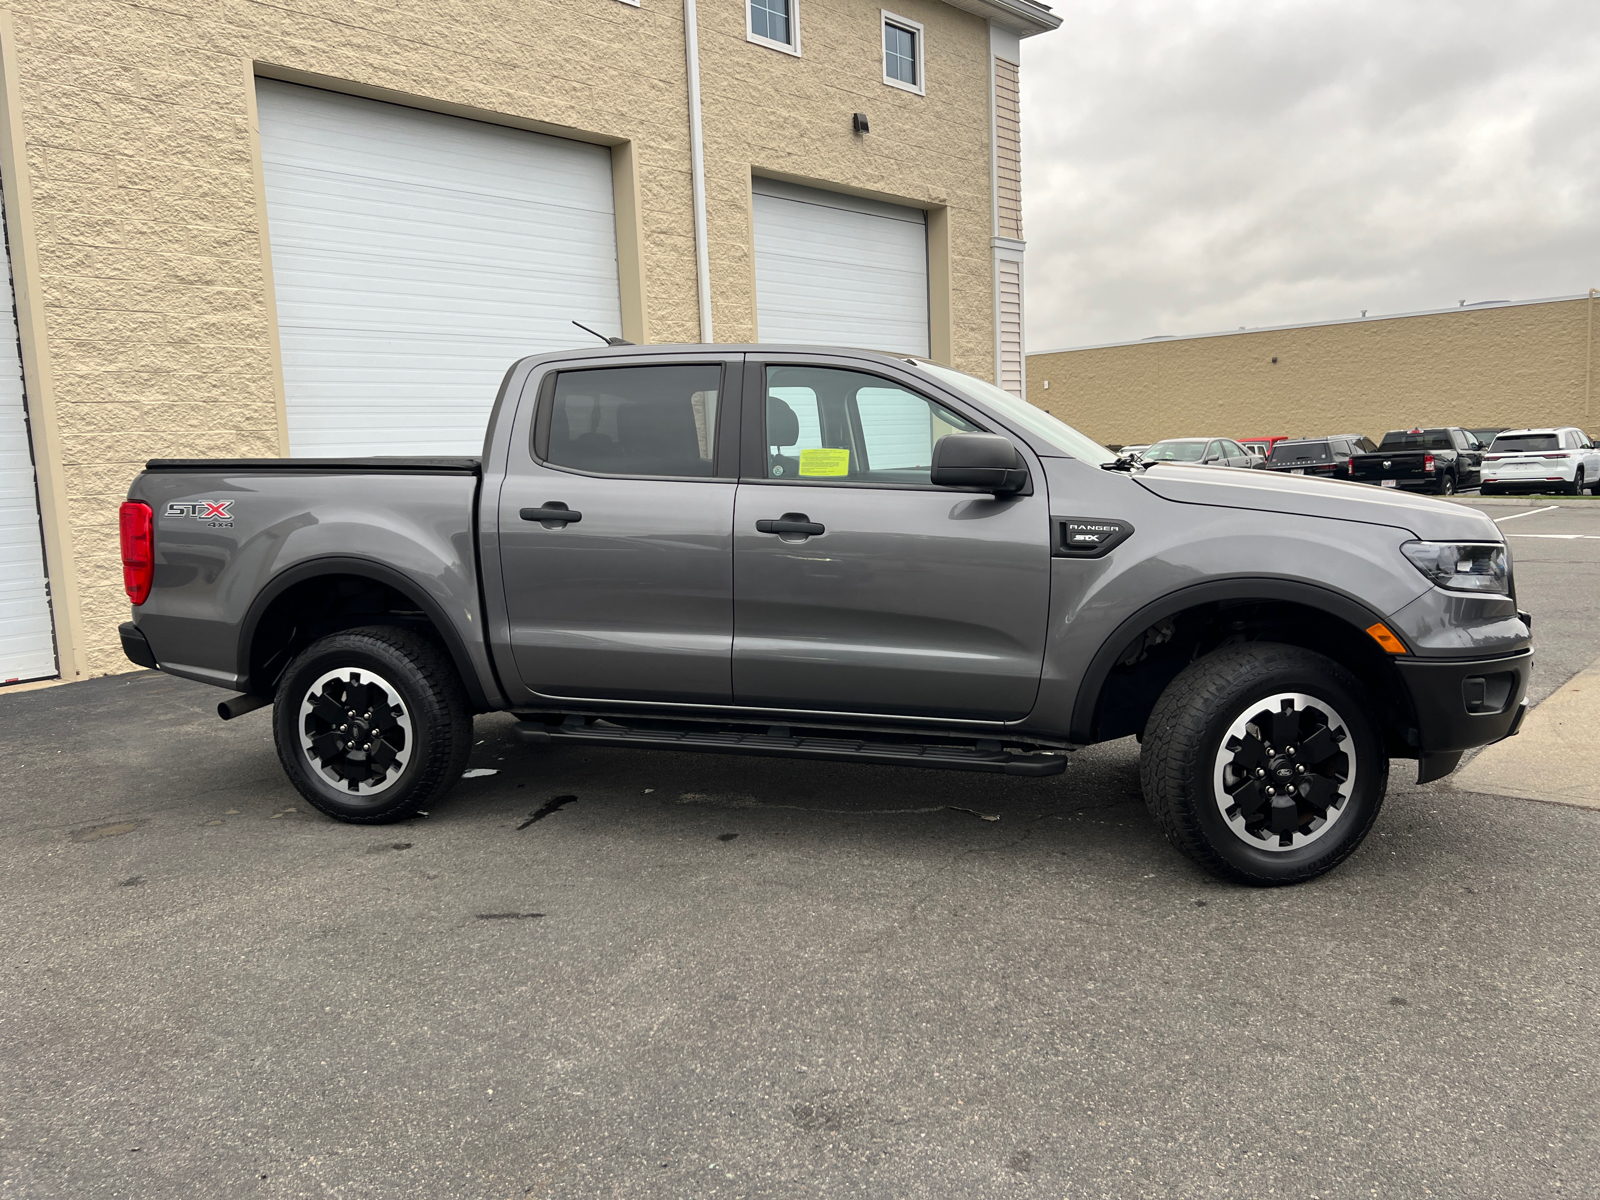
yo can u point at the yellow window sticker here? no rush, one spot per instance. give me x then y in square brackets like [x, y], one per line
[825, 462]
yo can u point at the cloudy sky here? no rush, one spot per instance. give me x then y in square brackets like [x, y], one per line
[1197, 165]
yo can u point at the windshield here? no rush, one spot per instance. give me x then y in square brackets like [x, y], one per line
[1035, 420]
[1526, 441]
[1174, 452]
[1285, 452]
[1416, 439]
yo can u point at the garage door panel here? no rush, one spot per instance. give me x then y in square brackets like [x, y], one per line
[415, 256]
[27, 629]
[833, 269]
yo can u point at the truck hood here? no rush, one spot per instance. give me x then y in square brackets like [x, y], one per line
[1302, 496]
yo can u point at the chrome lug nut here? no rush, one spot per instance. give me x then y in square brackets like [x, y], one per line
[1261, 772]
[1300, 768]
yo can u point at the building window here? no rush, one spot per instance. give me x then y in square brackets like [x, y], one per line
[902, 53]
[774, 23]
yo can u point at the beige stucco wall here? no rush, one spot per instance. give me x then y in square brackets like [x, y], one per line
[138, 153]
[1518, 365]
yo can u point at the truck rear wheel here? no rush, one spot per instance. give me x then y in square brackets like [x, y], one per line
[1261, 764]
[1447, 484]
[372, 725]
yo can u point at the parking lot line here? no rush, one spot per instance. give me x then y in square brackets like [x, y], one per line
[1526, 513]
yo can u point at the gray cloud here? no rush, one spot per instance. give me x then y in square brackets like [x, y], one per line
[1198, 166]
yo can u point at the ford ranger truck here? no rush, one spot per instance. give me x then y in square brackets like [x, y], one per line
[834, 554]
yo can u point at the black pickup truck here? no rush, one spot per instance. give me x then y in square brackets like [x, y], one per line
[1428, 460]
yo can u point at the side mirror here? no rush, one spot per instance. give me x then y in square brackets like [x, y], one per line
[982, 461]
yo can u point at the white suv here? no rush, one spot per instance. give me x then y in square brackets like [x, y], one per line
[1561, 459]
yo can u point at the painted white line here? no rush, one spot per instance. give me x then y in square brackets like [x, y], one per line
[1526, 513]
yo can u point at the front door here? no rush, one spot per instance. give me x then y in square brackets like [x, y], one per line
[859, 586]
[615, 526]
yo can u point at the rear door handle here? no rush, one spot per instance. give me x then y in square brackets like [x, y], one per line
[791, 523]
[552, 515]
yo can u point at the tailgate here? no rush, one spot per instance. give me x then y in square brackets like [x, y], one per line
[1402, 465]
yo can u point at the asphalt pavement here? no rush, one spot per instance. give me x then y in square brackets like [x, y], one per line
[601, 972]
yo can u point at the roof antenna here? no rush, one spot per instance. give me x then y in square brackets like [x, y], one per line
[603, 337]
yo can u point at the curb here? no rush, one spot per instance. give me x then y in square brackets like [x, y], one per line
[1524, 501]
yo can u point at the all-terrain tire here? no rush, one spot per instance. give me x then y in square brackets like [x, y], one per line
[387, 722]
[1577, 485]
[1183, 747]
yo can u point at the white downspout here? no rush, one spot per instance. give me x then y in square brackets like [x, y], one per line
[697, 169]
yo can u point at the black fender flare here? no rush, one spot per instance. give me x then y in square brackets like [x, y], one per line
[379, 573]
[1336, 604]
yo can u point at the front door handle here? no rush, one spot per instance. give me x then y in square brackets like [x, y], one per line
[791, 523]
[552, 515]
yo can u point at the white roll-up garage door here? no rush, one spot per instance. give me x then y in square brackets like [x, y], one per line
[415, 256]
[27, 634]
[836, 270]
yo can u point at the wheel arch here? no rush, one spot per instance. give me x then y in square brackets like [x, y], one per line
[1319, 618]
[260, 671]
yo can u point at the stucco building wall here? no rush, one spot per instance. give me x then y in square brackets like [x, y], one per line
[1513, 365]
[134, 136]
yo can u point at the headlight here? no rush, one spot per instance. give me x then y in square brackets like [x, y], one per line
[1463, 566]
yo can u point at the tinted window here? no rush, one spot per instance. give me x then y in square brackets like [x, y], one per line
[1526, 441]
[651, 421]
[1417, 439]
[829, 425]
[1301, 452]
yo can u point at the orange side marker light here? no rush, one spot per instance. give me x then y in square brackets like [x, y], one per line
[1384, 636]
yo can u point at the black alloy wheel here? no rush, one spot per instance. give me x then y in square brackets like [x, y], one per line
[1262, 763]
[372, 725]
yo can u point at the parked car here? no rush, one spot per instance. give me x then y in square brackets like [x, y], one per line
[1442, 460]
[1263, 445]
[1133, 450]
[833, 555]
[1200, 452]
[1329, 456]
[1561, 459]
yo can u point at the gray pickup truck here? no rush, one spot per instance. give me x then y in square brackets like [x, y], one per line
[834, 554]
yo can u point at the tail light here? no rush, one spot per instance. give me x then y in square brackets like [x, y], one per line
[1427, 462]
[138, 550]
[1349, 466]
[1563, 454]
[1493, 457]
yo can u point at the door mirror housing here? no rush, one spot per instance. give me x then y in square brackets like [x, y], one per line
[979, 461]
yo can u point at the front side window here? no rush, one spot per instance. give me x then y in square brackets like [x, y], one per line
[825, 425]
[649, 421]
[902, 53]
[773, 21]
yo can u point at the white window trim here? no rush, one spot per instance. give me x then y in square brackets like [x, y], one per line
[920, 88]
[751, 35]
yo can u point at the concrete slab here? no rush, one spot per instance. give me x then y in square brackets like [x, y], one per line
[1555, 758]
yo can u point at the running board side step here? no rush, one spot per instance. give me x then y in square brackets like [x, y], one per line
[780, 742]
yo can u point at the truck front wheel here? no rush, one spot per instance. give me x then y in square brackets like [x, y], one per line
[1260, 762]
[372, 725]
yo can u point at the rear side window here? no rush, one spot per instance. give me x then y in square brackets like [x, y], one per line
[1526, 441]
[833, 426]
[650, 421]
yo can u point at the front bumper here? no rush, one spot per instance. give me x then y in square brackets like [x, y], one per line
[1461, 704]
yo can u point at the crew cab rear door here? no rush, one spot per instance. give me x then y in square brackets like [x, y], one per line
[859, 587]
[615, 522]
